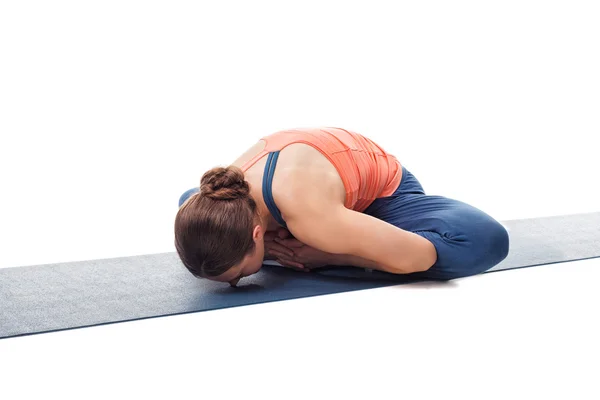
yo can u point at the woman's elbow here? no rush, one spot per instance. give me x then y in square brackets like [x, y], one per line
[419, 261]
[404, 268]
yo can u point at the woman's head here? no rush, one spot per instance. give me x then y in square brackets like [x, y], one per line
[217, 231]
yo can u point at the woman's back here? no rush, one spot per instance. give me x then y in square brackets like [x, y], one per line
[327, 158]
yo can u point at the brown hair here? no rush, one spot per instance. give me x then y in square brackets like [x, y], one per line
[213, 229]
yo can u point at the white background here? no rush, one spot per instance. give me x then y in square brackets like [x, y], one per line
[110, 110]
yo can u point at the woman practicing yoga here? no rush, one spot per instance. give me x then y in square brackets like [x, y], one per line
[309, 198]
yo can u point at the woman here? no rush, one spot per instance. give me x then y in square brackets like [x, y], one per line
[314, 197]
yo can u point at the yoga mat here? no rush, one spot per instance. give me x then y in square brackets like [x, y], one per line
[46, 298]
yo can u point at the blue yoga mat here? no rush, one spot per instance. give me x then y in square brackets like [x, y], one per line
[53, 297]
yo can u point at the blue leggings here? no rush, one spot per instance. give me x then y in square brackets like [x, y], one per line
[467, 240]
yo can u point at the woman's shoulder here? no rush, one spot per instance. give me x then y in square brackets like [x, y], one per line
[306, 190]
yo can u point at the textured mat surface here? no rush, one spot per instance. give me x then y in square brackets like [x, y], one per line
[52, 297]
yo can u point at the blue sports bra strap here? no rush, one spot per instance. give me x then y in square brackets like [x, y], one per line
[267, 187]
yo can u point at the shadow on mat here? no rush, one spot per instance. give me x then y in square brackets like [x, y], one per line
[247, 288]
[430, 285]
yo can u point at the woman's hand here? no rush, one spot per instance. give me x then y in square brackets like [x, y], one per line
[275, 250]
[302, 256]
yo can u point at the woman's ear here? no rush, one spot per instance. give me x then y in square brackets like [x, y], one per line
[258, 233]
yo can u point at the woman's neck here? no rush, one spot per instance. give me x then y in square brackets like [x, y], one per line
[266, 220]
[254, 178]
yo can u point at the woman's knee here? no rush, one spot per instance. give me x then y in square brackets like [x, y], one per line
[487, 245]
[474, 244]
[187, 194]
[497, 243]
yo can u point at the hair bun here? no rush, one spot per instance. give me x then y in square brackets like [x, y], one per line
[224, 184]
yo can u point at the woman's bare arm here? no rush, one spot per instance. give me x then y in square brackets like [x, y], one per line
[347, 260]
[359, 239]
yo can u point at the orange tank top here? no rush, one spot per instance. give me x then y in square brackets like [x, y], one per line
[367, 171]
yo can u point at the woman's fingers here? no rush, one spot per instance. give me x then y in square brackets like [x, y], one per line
[289, 263]
[276, 248]
[285, 255]
[284, 258]
[277, 255]
[290, 243]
